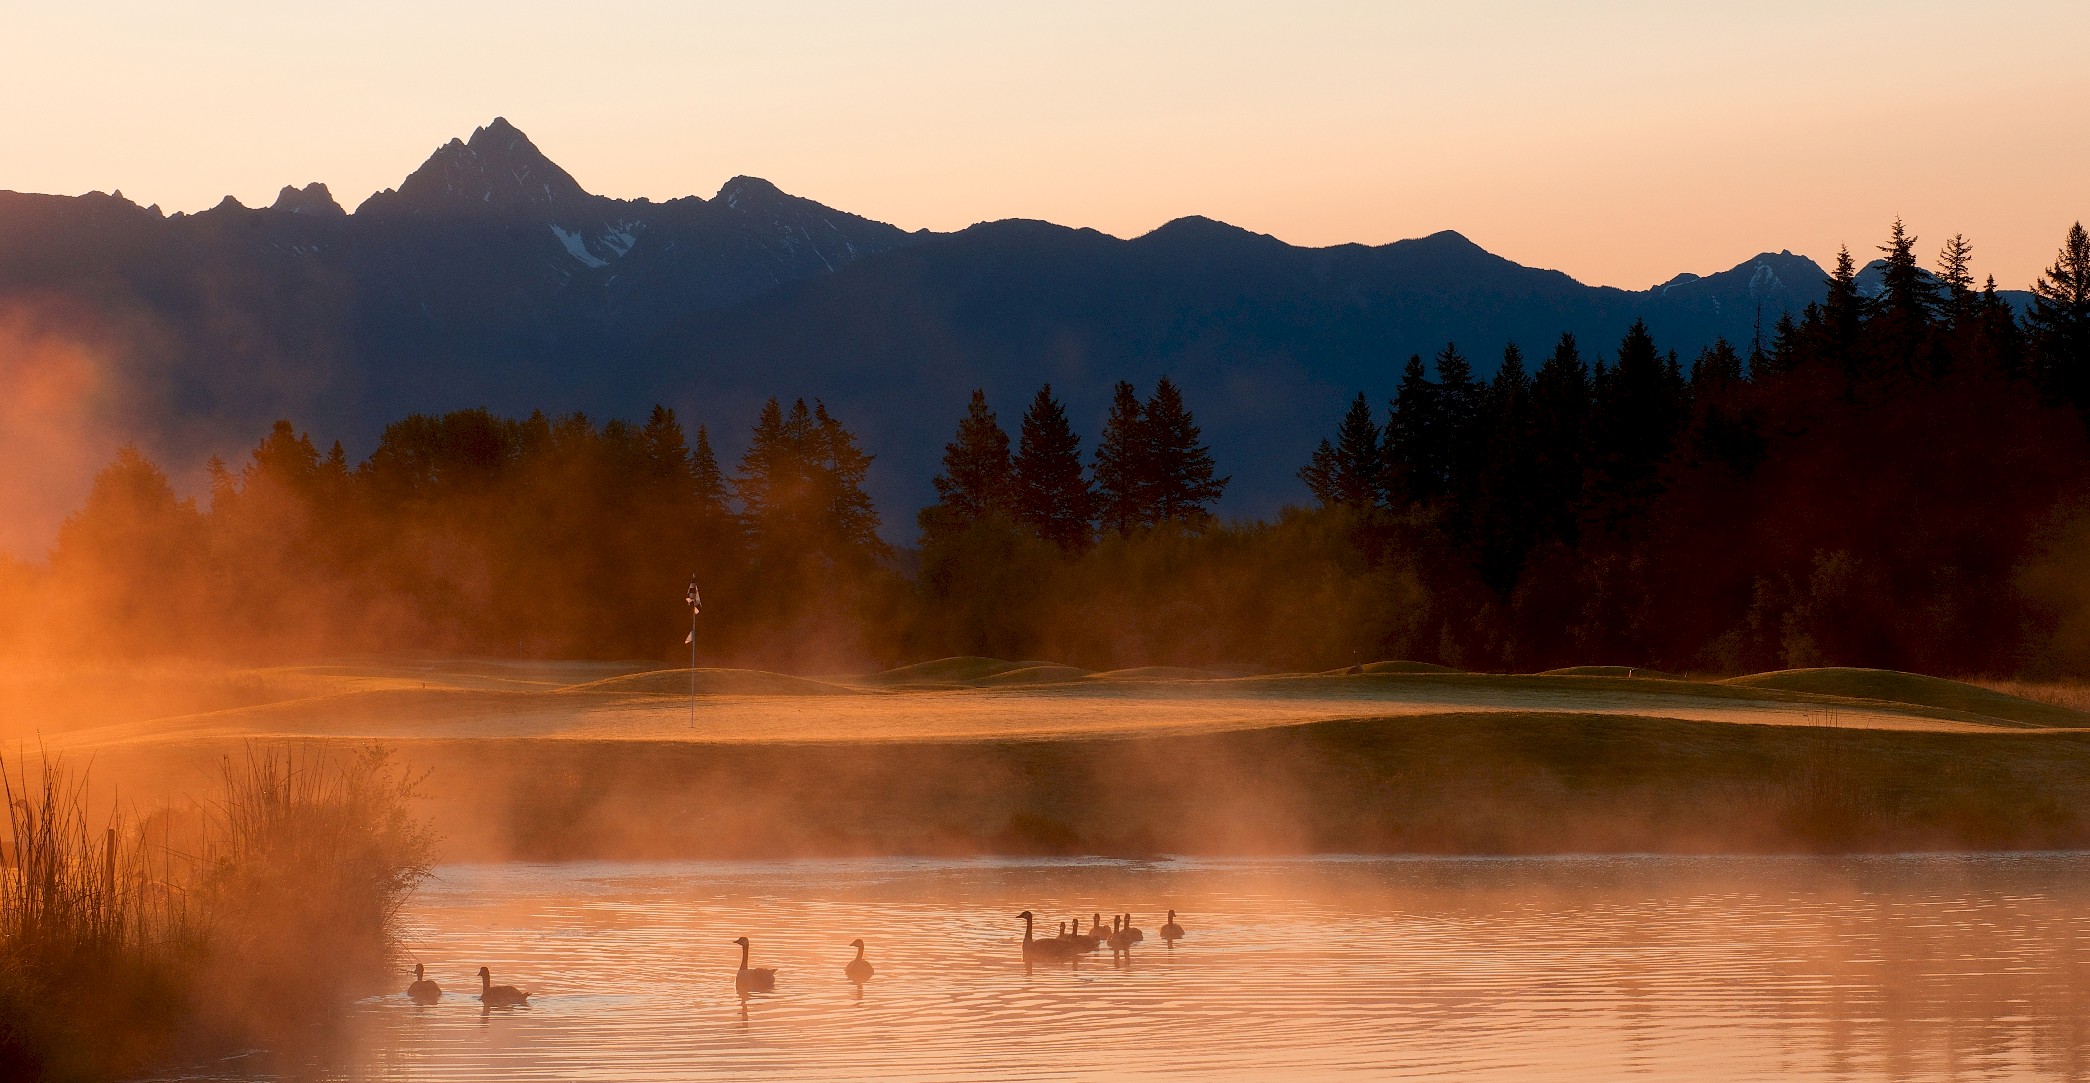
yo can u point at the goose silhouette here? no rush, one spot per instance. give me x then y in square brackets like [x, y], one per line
[859, 969]
[1035, 950]
[1171, 931]
[752, 980]
[499, 996]
[1120, 938]
[1086, 940]
[423, 991]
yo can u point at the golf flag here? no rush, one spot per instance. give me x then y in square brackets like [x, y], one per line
[694, 600]
[689, 639]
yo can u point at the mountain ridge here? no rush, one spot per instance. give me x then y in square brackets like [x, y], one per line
[491, 277]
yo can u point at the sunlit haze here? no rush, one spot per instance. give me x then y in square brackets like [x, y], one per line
[1620, 142]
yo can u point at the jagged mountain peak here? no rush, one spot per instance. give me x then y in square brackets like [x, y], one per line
[743, 192]
[313, 199]
[497, 172]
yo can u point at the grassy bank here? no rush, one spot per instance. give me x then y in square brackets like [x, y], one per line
[1466, 783]
[205, 926]
[974, 755]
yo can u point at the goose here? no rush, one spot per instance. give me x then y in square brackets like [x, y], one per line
[1171, 931]
[1118, 940]
[423, 991]
[499, 996]
[859, 969]
[1048, 950]
[1135, 934]
[1086, 940]
[752, 980]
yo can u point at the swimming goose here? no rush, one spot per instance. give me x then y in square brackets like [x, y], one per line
[1131, 932]
[1044, 950]
[755, 980]
[423, 991]
[859, 969]
[1171, 931]
[1086, 940]
[499, 996]
[1117, 940]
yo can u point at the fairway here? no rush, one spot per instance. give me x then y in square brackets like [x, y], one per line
[985, 699]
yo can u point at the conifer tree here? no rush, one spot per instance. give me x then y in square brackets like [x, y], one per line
[1184, 485]
[843, 466]
[1462, 435]
[664, 452]
[1843, 309]
[1349, 471]
[1052, 496]
[1124, 464]
[707, 482]
[1559, 429]
[977, 482]
[1413, 445]
[1956, 278]
[2059, 322]
[1717, 370]
[1907, 294]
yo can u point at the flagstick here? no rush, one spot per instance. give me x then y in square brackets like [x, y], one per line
[693, 669]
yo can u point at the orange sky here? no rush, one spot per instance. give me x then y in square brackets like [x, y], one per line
[1621, 142]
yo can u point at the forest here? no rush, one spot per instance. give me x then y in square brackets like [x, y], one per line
[1896, 478]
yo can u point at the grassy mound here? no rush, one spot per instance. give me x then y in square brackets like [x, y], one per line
[1612, 671]
[1155, 673]
[1045, 673]
[1407, 667]
[712, 682]
[1893, 686]
[963, 669]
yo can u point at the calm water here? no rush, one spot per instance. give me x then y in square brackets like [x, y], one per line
[1582, 968]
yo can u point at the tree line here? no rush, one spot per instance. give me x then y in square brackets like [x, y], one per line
[1892, 480]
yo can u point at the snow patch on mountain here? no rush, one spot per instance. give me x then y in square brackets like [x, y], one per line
[578, 247]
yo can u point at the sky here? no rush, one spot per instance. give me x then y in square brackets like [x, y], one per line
[1621, 142]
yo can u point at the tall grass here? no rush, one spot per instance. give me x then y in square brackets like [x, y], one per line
[125, 941]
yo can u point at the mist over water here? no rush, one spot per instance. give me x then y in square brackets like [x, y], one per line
[1917, 967]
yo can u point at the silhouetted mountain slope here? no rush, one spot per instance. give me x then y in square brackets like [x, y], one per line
[491, 276]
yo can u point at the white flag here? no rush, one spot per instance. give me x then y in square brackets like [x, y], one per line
[689, 639]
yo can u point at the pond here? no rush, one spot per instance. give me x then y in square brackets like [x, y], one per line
[1899, 967]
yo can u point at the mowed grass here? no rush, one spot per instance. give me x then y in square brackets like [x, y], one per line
[987, 756]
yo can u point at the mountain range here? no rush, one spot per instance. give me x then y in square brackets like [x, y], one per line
[490, 277]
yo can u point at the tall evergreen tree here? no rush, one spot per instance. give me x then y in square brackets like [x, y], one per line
[1638, 411]
[1842, 311]
[1124, 464]
[1052, 495]
[1413, 447]
[978, 482]
[2059, 322]
[707, 482]
[843, 466]
[1184, 482]
[1956, 279]
[1560, 402]
[1349, 471]
[1717, 370]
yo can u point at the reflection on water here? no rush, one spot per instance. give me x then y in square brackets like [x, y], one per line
[1929, 967]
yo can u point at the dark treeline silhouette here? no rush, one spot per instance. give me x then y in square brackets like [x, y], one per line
[1888, 480]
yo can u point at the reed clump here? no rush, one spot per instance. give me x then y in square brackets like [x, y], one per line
[127, 941]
